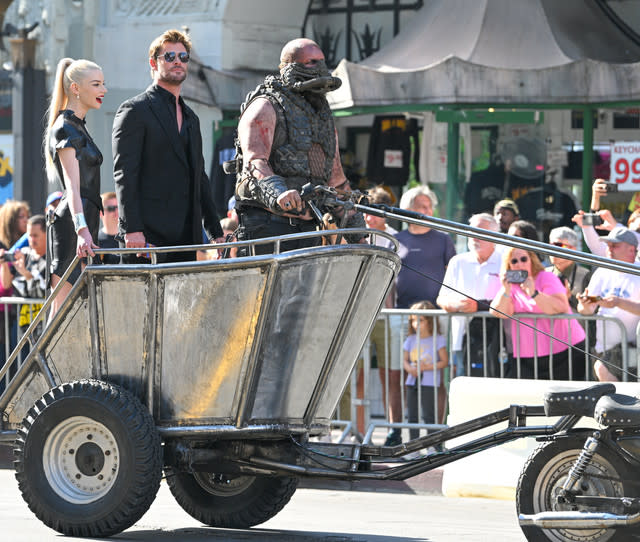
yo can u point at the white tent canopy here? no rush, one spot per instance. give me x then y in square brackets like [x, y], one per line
[499, 51]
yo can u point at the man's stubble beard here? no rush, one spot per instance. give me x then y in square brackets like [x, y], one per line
[173, 80]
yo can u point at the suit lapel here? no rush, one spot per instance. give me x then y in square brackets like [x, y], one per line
[168, 123]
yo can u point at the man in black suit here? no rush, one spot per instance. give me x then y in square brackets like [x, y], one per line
[163, 192]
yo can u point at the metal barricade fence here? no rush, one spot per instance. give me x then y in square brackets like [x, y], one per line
[17, 314]
[367, 398]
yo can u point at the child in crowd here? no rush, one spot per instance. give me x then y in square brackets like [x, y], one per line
[421, 347]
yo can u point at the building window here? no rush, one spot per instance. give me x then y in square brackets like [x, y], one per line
[629, 120]
[577, 118]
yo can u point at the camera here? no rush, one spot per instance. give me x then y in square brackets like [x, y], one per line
[516, 276]
[8, 257]
[611, 187]
[591, 219]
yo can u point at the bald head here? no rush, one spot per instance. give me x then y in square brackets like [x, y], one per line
[300, 50]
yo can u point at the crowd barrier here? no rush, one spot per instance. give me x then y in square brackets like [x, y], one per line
[21, 311]
[363, 408]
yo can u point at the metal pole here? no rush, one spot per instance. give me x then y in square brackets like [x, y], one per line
[587, 156]
[453, 144]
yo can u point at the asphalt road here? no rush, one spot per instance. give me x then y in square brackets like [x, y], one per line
[317, 515]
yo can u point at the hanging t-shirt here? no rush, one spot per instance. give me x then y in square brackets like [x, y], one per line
[390, 150]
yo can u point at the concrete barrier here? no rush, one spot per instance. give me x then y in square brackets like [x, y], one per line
[494, 473]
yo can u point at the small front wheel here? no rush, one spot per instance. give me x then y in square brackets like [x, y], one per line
[88, 459]
[231, 501]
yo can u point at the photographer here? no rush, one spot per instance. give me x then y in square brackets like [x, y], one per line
[601, 219]
[30, 267]
[528, 288]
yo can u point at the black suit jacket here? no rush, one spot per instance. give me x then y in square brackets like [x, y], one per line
[151, 172]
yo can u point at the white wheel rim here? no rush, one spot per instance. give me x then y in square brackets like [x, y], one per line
[71, 441]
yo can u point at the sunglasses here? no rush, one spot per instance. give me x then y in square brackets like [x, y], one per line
[523, 259]
[170, 56]
[111, 208]
[560, 244]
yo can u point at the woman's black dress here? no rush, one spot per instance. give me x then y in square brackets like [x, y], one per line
[70, 131]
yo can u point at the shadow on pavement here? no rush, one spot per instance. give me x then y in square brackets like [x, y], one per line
[233, 535]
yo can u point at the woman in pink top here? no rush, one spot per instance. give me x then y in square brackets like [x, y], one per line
[540, 293]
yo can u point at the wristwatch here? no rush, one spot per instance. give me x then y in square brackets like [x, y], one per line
[534, 294]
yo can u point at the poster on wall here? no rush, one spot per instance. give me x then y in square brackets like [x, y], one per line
[6, 167]
[625, 165]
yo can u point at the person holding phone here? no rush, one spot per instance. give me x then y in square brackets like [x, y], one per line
[528, 288]
[601, 219]
[613, 294]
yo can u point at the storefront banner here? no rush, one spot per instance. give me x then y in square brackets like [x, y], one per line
[625, 165]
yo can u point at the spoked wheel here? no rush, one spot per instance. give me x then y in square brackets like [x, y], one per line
[236, 502]
[88, 459]
[546, 471]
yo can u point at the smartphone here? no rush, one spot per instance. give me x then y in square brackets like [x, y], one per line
[591, 219]
[516, 276]
[611, 187]
[9, 257]
[593, 298]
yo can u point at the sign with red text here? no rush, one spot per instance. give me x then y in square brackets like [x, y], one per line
[625, 165]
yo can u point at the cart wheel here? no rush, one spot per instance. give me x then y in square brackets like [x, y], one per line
[88, 459]
[234, 502]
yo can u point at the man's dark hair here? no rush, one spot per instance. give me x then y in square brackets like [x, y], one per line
[40, 220]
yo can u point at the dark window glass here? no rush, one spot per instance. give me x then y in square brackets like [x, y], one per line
[576, 120]
[626, 121]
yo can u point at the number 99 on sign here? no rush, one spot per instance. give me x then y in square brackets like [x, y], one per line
[624, 169]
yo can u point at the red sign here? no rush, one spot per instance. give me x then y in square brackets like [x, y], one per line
[625, 165]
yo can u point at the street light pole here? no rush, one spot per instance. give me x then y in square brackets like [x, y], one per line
[28, 122]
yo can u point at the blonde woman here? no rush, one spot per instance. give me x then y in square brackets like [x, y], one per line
[73, 164]
[537, 291]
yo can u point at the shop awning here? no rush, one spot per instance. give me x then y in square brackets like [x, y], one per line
[501, 52]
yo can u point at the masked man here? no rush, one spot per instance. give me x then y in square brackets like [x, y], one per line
[286, 139]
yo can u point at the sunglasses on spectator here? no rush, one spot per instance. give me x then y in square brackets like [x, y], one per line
[111, 208]
[523, 259]
[561, 244]
[170, 56]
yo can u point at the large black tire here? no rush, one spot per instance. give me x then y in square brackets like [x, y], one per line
[234, 502]
[88, 459]
[546, 470]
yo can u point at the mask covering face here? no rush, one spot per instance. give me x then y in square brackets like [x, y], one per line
[316, 79]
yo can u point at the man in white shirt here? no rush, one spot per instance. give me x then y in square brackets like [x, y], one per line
[613, 294]
[470, 277]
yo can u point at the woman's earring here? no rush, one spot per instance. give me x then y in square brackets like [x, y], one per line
[77, 96]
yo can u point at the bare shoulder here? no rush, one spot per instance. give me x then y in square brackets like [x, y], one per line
[259, 109]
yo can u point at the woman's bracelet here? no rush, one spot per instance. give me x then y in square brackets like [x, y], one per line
[79, 222]
[505, 294]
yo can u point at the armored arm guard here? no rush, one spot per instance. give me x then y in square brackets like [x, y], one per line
[266, 191]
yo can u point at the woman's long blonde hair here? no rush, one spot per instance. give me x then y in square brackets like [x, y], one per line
[67, 72]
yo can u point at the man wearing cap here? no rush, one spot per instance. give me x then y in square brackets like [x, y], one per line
[573, 276]
[613, 294]
[505, 212]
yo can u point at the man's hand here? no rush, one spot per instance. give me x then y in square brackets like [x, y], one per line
[290, 201]
[467, 305]
[135, 239]
[19, 265]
